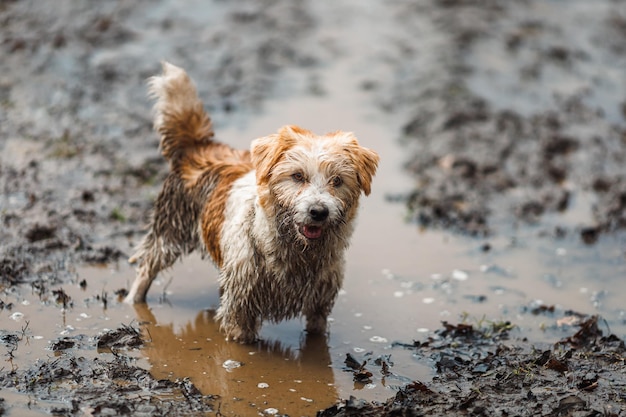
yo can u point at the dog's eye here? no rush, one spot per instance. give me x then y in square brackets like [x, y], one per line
[337, 181]
[298, 177]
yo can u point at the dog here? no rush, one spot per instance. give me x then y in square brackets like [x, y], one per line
[276, 219]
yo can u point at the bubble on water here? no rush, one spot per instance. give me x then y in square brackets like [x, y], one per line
[358, 350]
[17, 316]
[422, 330]
[263, 385]
[460, 275]
[398, 294]
[309, 400]
[371, 385]
[378, 339]
[271, 411]
[366, 327]
[436, 276]
[25, 303]
[230, 364]
[358, 314]
[428, 300]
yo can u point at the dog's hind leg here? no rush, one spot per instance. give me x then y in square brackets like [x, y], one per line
[173, 232]
[154, 255]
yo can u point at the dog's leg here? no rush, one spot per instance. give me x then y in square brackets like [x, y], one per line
[238, 327]
[320, 305]
[153, 256]
[237, 320]
[316, 323]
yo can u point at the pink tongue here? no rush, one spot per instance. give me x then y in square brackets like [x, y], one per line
[312, 232]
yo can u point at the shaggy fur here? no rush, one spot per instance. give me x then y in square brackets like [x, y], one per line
[276, 220]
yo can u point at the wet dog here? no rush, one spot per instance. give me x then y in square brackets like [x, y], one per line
[276, 219]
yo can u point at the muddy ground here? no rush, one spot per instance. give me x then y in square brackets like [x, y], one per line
[513, 111]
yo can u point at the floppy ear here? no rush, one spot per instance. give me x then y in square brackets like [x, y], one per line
[365, 160]
[365, 164]
[267, 151]
[264, 155]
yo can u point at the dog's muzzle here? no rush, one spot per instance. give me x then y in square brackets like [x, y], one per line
[318, 214]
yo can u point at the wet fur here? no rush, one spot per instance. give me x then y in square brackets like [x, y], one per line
[276, 220]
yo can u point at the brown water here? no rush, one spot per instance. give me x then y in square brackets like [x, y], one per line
[400, 282]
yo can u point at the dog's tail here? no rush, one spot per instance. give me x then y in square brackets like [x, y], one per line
[179, 114]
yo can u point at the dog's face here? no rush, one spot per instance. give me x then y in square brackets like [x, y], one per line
[311, 183]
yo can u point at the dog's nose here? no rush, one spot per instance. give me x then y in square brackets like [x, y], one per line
[318, 213]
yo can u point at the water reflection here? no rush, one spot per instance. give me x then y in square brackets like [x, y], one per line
[264, 377]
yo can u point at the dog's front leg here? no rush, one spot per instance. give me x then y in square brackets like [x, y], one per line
[239, 327]
[237, 320]
[316, 323]
[317, 317]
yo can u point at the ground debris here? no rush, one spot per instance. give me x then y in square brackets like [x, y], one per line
[106, 388]
[478, 373]
[125, 337]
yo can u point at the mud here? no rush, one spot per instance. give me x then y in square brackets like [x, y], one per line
[512, 119]
[482, 372]
[526, 118]
[68, 385]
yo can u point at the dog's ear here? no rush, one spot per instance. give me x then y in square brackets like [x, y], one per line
[365, 164]
[365, 160]
[268, 150]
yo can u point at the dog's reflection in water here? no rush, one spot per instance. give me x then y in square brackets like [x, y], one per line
[248, 378]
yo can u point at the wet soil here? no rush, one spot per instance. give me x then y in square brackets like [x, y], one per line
[512, 117]
[526, 120]
[481, 372]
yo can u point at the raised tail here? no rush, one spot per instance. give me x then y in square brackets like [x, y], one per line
[179, 114]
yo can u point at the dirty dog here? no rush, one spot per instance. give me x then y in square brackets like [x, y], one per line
[276, 219]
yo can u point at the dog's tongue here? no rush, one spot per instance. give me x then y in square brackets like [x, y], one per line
[312, 232]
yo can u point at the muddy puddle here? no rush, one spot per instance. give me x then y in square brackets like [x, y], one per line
[80, 171]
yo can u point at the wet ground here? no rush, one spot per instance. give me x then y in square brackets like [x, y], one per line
[499, 207]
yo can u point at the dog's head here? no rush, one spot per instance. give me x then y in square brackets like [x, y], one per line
[313, 183]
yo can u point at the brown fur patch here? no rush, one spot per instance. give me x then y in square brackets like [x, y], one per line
[220, 165]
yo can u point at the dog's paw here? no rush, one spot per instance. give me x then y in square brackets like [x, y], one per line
[245, 338]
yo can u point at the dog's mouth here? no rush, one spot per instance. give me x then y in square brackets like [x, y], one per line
[311, 231]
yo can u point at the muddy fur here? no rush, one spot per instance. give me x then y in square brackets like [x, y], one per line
[276, 220]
